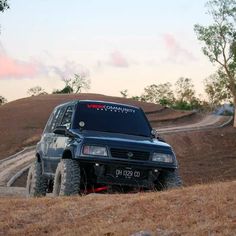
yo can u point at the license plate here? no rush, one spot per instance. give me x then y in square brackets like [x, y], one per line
[127, 173]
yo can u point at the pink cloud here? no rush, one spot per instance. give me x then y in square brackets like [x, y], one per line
[12, 68]
[17, 69]
[118, 60]
[177, 53]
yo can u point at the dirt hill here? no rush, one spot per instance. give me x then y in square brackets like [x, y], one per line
[198, 210]
[204, 157]
[22, 121]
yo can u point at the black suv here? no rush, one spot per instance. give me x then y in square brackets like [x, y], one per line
[90, 146]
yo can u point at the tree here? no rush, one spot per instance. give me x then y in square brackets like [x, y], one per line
[2, 100]
[185, 95]
[216, 90]
[77, 83]
[36, 91]
[159, 93]
[137, 98]
[185, 91]
[219, 41]
[3, 5]
[66, 89]
[124, 93]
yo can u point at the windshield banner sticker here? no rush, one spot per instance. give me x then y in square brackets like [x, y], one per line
[104, 107]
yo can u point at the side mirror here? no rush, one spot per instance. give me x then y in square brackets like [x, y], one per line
[61, 130]
[156, 135]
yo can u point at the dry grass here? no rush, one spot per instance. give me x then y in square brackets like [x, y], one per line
[197, 210]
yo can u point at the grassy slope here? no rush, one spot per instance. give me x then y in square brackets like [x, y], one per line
[198, 210]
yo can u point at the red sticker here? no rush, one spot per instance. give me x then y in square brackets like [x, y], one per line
[96, 106]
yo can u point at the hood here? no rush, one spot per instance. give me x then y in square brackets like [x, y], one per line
[123, 141]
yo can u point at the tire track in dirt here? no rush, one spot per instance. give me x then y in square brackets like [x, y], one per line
[209, 122]
[13, 164]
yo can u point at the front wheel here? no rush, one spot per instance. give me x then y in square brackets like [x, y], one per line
[36, 183]
[169, 180]
[67, 178]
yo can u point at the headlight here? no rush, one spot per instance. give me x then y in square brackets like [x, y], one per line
[94, 150]
[162, 157]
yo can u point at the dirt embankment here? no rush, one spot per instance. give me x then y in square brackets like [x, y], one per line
[205, 156]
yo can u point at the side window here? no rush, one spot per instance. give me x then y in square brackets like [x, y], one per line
[49, 123]
[66, 121]
[55, 120]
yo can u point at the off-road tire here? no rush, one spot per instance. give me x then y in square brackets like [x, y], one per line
[169, 180]
[36, 183]
[67, 178]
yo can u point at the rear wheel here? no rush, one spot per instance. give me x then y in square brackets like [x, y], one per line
[36, 183]
[67, 178]
[169, 180]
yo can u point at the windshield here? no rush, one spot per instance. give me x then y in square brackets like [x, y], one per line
[112, 118]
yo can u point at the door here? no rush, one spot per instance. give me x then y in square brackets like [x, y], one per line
[49, 138]
[60, 141]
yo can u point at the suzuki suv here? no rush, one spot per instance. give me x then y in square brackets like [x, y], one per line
[91, 146]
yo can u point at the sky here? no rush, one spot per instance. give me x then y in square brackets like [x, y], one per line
[125, 44]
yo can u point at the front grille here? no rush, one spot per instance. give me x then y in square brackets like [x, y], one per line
[129, 154]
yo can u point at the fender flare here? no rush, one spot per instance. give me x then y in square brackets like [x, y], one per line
[68, 153]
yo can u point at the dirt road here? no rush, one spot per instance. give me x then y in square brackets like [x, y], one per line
[12, 167]
[210, 121]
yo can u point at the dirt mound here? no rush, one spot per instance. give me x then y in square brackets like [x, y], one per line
[22, 121]
[198, 210]
[205, 156]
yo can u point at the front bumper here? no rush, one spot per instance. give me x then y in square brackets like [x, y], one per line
[133, 163]
[105, 169]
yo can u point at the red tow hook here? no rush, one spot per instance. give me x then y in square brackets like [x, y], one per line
[96, 190]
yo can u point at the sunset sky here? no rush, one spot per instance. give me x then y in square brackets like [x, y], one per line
[125, 44]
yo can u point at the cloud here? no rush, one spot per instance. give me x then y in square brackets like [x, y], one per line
[17, 69]
[13, 68]
[176, 52]
[117, 59]
[67, 70]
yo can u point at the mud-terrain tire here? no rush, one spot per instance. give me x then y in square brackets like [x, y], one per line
[36, 183]
[169, 180]
[67, 178]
